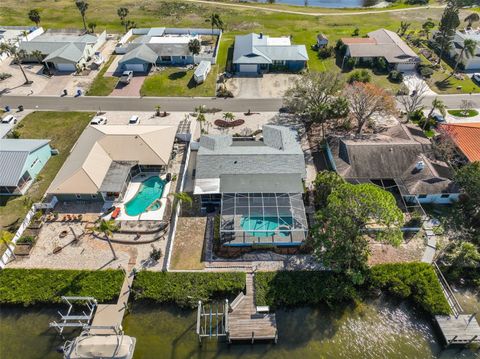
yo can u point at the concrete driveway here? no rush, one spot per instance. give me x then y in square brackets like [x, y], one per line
[132, 89]
[266, 86]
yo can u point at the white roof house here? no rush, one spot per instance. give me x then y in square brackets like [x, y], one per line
[472, 63]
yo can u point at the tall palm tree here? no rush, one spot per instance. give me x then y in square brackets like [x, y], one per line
[34, 16]
[6, 238]
[17, 54]
[215, 21]
[470, 19]
[468, 50]
[194, 47]
[107, 228]
[82, 6]
[438, 104]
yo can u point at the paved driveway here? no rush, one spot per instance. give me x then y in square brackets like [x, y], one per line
[132, 89]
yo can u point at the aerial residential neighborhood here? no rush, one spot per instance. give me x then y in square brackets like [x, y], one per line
[240, 178]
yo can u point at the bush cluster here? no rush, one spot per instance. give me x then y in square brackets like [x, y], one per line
[395, 76]
[359, 76]
[186, 289]
[414, 281]
[37, 286]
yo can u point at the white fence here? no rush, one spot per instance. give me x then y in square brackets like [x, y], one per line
[36, 206]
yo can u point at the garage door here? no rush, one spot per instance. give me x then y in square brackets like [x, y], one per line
[405, 67]
[65, 67]
[249, 68]
[135, 67]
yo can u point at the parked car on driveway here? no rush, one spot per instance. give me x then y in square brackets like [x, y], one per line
[9, 119]
[99, 120]
[126, 77]
[134, 120]
[476, 77]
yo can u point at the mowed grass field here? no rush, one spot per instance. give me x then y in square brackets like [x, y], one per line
[63, 129]
[176, 13]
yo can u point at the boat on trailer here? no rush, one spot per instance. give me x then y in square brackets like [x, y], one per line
[97, 346]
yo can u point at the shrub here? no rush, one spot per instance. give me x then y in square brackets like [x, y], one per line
[302, 288]
[356, 32]
[349, 63]
[395, 76]
[426, 71]
[26, 240]
[326, 52]
[4, 75]
[340, 48]
[414, 281]
[186, 289]
[403, 90]
[224, 92]
[366, 62]
[35, 286]
[360, 76]
[380, 64]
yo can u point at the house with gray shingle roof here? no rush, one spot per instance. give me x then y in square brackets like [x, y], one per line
[258, 185]
[258, 53]
[63, 50]
[397, 158]
[21, 161]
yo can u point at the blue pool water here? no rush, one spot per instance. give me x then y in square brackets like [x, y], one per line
[150, 190]
[265, 227]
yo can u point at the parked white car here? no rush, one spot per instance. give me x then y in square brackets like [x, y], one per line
[10, 119]
[134, 120]
[476, 77]
[99, 120]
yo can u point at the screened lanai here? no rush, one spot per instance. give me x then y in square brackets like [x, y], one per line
[262, 218]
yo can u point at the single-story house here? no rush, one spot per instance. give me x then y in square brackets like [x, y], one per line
[62, 50]
[473, 62]
[382, 44]
[13, 35]
[258, 53]
[21, 161]
[397, 158]
[105, 158]
[258, 185]
[166, 46]
[466, 137]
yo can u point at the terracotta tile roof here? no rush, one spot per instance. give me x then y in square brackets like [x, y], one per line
[358, 40]
[467, 138]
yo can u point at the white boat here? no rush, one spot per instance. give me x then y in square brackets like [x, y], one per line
[100, 346]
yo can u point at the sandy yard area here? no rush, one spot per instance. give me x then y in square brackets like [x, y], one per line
[266, 86]
[408, 251]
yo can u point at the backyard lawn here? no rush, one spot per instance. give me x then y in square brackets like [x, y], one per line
[103, 85]
[175, 81]
[63, 129]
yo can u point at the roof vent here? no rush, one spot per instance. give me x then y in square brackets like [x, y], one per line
[420, 165]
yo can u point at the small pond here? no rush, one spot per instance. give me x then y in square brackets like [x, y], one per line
[376, 329]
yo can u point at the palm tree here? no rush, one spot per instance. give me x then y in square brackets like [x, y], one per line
[181, 197]
[215, 21]
[34, 16]
[37, 54]
[468, 50]
[17, 54]
[228, 116]
[7, 238]
[201, 120]
[107, 228]
[129, 24]
[403, 28]
[470, 19]
[194, 47]
[427, 27]
[82, 6]
[437, 104]
[122, 13]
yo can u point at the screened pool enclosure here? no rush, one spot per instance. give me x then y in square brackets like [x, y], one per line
[262, 218]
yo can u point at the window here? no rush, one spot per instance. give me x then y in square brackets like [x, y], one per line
[166, 58]
[184, 57]
[445, 196]
[34, 163]
[422, 196]
[279, 62]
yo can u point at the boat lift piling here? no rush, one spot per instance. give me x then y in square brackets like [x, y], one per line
[74, 320]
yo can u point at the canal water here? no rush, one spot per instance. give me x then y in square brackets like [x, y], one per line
[325, 3]
[377, 329]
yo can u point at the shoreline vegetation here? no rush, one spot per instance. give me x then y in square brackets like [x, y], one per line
[414, 282]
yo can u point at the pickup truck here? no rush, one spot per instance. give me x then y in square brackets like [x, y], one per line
[126, 77]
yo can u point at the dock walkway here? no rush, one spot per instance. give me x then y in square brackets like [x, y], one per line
[245, 323]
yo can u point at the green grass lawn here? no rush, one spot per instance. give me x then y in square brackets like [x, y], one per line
[102, 85]
[63, 129]
[174, 81]
[462, 113]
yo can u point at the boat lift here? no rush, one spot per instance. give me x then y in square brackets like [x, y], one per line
[73, 320]
[212, 320]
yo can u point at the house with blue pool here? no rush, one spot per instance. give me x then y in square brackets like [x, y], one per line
[259, 53]
[257, 184]
[21, 161]
[145, 48]
[106, 160]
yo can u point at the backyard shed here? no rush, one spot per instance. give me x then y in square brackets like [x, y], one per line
[201, 72]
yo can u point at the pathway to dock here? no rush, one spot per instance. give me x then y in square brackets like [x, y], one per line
[245, 323]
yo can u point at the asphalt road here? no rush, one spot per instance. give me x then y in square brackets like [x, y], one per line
[182, 104]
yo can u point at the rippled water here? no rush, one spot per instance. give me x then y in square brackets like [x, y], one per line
[373, 330]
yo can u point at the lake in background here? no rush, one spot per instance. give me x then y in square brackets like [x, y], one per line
[325, 3]
[377, 329]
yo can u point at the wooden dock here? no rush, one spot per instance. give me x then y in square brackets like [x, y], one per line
[461, 329]
[245, 323]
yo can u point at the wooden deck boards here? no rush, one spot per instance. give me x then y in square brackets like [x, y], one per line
[459, 330]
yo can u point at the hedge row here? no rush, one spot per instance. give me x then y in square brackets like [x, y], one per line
[186, 289]
[36, 286]
[302, 288]
[414, 281]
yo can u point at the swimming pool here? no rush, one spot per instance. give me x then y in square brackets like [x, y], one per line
[150, 190]
[266, 226]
